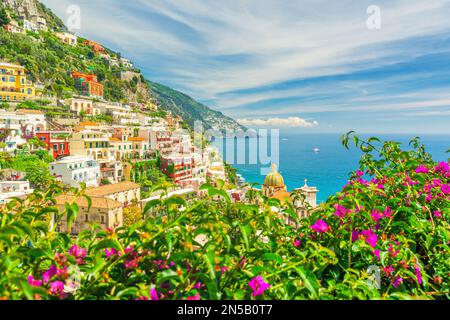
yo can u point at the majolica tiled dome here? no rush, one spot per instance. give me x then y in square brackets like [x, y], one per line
[274, 179]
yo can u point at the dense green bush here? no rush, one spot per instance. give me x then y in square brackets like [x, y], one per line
[392, 216]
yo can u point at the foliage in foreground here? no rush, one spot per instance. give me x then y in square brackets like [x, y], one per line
[392, 216]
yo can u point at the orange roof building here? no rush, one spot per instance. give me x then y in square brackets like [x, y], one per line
[88, 85]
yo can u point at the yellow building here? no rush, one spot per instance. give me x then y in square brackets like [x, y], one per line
[14, 85]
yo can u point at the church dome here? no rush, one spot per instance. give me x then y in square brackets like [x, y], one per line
[274, 179]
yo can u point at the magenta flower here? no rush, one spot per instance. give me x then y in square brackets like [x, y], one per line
[376, 253]
[144, 298]
[392, 252]
[110, 252]
[442, 167]
[359, 173]
[320, 226]
[297, 243]
[198, 285]
[422, 169]
[195, 297]
[397, 282]
[33, 282]
[223, 270]
[371, 237]
[78, 253]
[340, 211]
[376, 215]
[387, 213]
[437, 183]
[445, 188]
[437, 214]
[418, 274]
[258, 286]
[56, 288]
[50, 273]
[388, 271]
[154, 294]
[355, 235]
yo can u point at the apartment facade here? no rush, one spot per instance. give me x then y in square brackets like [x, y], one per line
[88, 85]
[105, 212]
[57, 143]
[14, 85]
[75, 170]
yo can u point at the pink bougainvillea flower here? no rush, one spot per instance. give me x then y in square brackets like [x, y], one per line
[371, 237]
[110, 252]
[50, 273]
[154, 294]
[144, 298]
[33, 282]
[442, 167]
[359, 173]
[397, 282]
[387, 213]
[56, 288]
[297, 243]
[78, 253]
[422, 169]
[340, 211]
[131, 263]
[320, 226]
[392, 252]
[198, 285]
[195, 297]
[437, 214]
[376, 215]
[437, 183]
[388, 271]
[429, 198]
[355, 235]
[258, 286]
[377, 254]
[445, 188]
[418, 274]
[223, 270]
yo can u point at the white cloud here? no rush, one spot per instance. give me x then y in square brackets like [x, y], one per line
[279, 122]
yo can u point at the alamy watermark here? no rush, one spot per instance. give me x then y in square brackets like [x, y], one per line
[374, 20]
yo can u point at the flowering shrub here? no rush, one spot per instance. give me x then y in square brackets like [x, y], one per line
[391, 217]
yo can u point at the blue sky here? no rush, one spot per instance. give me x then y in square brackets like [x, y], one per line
[312, 65]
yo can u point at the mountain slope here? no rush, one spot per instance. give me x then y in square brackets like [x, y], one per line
[189, 109]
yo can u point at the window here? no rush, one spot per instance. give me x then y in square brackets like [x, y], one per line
[12, 79]
[86, 218]
[102, 219]
[55, 147]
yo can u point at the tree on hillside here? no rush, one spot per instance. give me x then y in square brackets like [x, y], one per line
[4, 18]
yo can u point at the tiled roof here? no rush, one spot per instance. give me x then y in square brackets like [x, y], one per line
[111, 188]
[97, 202]
[88, 123]
[136, 139]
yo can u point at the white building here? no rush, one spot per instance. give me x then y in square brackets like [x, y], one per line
[87, 106]
[23, 122]
[75, 170]
[67, 38]
[14, 189]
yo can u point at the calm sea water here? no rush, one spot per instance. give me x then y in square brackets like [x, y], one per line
[329, 169]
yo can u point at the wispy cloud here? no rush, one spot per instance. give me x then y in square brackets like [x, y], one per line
[291, 122]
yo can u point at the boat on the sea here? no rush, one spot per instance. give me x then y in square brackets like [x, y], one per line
[316, 150]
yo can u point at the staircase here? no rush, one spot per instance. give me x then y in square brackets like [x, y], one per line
[52, 125]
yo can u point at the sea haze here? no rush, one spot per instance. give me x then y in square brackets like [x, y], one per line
[328, 169]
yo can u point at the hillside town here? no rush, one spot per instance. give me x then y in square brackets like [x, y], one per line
[120, 152]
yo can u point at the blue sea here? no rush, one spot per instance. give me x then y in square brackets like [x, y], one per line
[329, 169]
